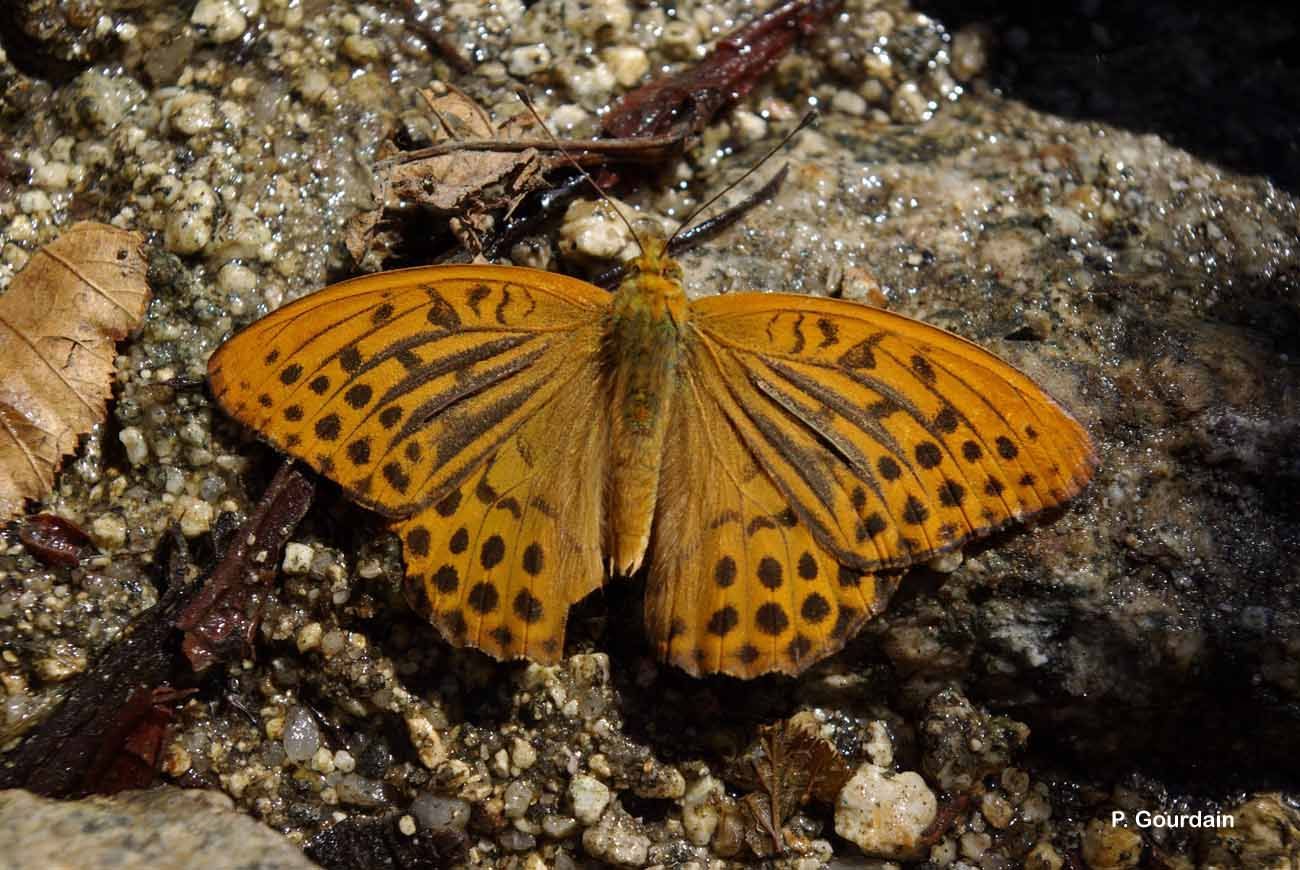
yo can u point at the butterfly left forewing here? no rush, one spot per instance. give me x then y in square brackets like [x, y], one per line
[894, 440]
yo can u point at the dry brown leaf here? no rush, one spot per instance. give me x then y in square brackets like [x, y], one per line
[444, 181]
[59, 321]
[447, 182]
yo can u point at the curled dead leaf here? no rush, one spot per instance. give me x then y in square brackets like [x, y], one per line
[789, 765]
[59, 321]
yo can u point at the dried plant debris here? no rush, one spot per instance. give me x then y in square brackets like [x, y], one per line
[54, 540]
[73, 751]
[477, 167]
[59, 321]
[789, 765]
[473, 167]
[108, 732]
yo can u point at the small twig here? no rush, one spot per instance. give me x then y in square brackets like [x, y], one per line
[652, 149]
[703, 232]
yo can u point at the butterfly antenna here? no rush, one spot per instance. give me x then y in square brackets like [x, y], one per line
[785, 140]
[578, 166]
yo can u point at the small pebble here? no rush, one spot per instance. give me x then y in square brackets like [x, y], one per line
[909, 105]
[301, 735]
[1110, 847]
[590, 796]
[515, 840]
[108, 531]
[601, 20]
[528, 60]
[360, 49]
[679, 40]
[196, 516]
[628, 63]
[220, 19]
[885, 813]
[1044, 857]
[522, 754]
[189, 221]
[297, 558]
[437, 813]
[309, 636]
[700, 809]
[518, 797]
[559, 827]
[590, 229]
[236, 278]
[190, 112]
[849, 103]
[137, 449]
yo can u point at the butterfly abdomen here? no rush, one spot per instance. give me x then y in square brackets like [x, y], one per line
[643, 351]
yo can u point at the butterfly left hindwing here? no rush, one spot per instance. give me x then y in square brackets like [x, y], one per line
[497, 562]
[738, 584]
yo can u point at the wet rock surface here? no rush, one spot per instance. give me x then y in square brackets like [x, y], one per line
[166, 827]
[1137, 651]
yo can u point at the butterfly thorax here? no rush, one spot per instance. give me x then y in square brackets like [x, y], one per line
[643, 348]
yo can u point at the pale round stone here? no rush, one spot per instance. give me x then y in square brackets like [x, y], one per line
[108, 531]
[529, 60]
[885, 813]
[236, 278]
[628, 63]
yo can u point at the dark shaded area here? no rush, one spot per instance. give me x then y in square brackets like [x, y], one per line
[1220, 80]
[108, 732]
[378, 844]
[45, 41]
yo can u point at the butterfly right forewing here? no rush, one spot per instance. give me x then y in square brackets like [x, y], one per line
[399, 385]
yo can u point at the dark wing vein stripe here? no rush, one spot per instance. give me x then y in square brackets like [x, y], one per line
[464, 389]
[458, 361]
[497, 412]
[858, 465]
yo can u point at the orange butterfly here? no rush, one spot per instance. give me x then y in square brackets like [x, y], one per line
[524, 430]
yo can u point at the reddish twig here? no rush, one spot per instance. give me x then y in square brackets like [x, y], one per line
[220, 622]
[689, 100]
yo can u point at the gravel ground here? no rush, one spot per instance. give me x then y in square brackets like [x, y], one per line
[1137, 652]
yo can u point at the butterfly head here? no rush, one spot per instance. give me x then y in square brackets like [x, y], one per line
[653, 283]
